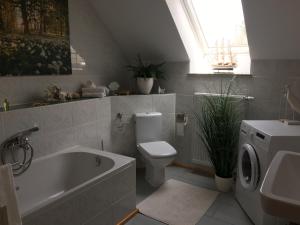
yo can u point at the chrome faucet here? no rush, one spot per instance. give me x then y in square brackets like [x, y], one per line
[14, 144]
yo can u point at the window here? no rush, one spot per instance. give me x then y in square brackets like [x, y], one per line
[219, 34]
[77, 61]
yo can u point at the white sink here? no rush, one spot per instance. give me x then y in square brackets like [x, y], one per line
[280, 191]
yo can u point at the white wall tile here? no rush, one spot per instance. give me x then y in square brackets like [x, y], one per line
[84, 111]
[104, 133]
[57, 117]
[87, 135]
[168, 127]
[56, 141]
[22, 119]
[131, 104]
[164, 103]
[184, 103]
[1, 129]
[104, 108]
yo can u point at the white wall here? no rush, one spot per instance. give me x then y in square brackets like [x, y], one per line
[146, 26]
[273, 28]
[90, 38]
[142, 26]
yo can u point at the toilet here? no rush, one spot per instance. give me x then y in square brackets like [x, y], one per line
[156, 153]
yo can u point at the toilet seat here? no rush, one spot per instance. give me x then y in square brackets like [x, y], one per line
[157, 149]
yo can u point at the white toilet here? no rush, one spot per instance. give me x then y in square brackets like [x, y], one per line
[157, 154]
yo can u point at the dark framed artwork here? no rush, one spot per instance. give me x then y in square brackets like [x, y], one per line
[34, 37]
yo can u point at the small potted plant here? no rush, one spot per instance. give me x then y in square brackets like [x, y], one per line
[219, 123]
[146, 73]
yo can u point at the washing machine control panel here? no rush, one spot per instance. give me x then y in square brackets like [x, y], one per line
[254, 137]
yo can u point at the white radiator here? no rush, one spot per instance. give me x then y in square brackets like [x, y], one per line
[198, 150]
[199, 153]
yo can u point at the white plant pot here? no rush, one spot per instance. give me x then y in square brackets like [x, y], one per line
[223, 184]
[145, 85]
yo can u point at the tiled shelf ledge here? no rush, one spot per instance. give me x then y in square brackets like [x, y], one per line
[30, 105]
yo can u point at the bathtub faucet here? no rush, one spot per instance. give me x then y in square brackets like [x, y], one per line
[98, 161]
[11, 148]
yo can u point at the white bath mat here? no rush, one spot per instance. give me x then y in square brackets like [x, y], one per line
[178, 203]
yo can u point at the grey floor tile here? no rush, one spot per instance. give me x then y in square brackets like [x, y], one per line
[224, 211]
[140, 219]
[143, 188]
[231, 214]
[206, 220]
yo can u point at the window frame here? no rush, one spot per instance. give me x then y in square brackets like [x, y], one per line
[199, 34]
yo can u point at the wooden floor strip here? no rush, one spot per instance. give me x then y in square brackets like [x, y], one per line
[202, 170]
[128, 217]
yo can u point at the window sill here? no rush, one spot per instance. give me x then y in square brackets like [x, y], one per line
[245, 75]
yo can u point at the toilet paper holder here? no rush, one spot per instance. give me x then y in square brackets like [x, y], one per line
[182, 118]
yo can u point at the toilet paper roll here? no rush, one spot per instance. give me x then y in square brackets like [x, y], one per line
[180, 129]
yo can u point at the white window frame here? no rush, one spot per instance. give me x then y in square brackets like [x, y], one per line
[202, 44]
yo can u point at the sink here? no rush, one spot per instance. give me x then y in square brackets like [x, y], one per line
[280, 191]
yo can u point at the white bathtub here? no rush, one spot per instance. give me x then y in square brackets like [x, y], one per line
[70, 178]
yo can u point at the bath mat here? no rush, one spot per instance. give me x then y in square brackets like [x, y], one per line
[178, 203]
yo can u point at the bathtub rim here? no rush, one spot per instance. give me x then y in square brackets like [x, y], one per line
[120, 162]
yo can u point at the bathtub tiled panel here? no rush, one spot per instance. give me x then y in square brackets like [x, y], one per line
[123, 183]
[123, 207]
[104, 218]
[100, 203]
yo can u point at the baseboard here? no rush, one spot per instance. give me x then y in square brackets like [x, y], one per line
[128, 217]
[203, 170]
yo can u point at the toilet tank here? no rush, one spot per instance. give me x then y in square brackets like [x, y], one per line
[148, 127]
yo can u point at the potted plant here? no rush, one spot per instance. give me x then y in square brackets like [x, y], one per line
[219, 123]
[146, 73]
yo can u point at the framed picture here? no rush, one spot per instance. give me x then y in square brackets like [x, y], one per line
[34, 38]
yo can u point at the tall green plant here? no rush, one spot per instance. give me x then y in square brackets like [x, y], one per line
[219, 123]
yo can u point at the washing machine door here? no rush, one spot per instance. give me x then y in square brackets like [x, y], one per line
[248, 166]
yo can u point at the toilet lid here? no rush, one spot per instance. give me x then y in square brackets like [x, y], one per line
[158, 149]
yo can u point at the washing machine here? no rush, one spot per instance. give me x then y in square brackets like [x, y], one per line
[258, 144]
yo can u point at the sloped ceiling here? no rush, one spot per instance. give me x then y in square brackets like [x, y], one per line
[142, 26]
[147, 27]
[273, 28]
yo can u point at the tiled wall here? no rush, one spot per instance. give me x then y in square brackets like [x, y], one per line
[91, 40]
[266, 84]
[85, 122]
[123, 130]
[89, 123]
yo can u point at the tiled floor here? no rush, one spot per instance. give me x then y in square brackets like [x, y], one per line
[224, 211]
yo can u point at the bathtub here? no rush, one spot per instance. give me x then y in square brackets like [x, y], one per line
[78, 186]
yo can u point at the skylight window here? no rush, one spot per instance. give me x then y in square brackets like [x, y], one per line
[216, 39]
[220, 20]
